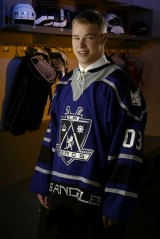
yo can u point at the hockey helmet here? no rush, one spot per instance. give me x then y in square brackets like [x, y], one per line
[23, 12]
[115, 24]
[139, 28]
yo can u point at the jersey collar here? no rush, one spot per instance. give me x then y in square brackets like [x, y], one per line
[98, 63]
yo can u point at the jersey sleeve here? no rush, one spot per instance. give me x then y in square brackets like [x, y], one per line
[127, 117]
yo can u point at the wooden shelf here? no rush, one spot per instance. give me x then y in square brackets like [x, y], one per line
[36, 29]
[126, 41]
[22, 34]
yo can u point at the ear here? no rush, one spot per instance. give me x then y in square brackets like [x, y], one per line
[104, 37]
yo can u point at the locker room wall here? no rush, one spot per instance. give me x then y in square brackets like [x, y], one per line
[151, 88]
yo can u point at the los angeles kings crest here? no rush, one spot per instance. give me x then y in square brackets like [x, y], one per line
[74, 131]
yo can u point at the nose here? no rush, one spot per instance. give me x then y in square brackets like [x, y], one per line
[82, 41]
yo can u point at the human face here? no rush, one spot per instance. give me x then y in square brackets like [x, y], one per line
[87, 42]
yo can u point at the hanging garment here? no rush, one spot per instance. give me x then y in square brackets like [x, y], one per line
[31, 89]
[134, 67]
[11, 72]
[131, 64]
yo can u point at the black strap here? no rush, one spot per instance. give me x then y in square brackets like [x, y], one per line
[100, 68]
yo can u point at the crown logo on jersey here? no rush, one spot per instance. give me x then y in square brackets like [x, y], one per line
[74, 131]
[136, 98]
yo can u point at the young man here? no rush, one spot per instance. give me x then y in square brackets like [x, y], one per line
[91, 157]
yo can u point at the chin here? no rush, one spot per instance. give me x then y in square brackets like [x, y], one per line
[84, 62]
[84, 65]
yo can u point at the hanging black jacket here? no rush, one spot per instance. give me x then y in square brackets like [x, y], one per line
[28, 97]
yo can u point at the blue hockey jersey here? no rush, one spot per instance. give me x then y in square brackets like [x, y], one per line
[92, 152]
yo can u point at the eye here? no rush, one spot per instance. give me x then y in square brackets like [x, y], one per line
[89, 37]
[76, 38]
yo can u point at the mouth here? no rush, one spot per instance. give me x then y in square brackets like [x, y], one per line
[83, 53]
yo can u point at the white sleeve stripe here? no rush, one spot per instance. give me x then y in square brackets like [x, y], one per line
[126, 156]
[46, 139]
[41, 170]
[121, 192]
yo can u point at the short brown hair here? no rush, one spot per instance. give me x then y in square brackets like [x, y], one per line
[92, 17]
